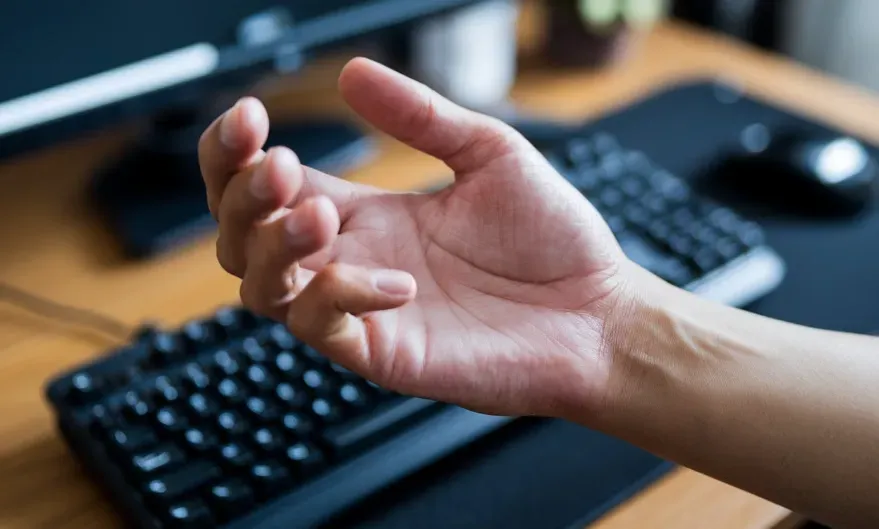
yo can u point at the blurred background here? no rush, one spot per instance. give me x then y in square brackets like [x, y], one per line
[835, 36]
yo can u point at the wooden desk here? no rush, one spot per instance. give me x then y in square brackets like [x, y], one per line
[52, 244]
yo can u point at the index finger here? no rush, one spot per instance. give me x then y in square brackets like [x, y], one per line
[231, 143]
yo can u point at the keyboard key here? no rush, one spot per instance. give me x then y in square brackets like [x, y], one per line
[132, 439]
[681, 244]
[268, 440]
[346, 436]
[316, 381]
[195, 377]
[750, 234]
[136, 408]
[612, 167]
[201, 405]
[632, 187]
[729, 249]
[325, 410]
[659, 230]
[610, 198]
[254, 351]
[704, 234]
[683, 218]
[352, 395]
[197, 335]
[184, 480]
[654, 204]
[158, 460]
[637, 216]
[297, 425]
[260, 377]
[100, 418]
[230, 499]
[165, 349]
[587, 181]
[226, 363]
[263, 410]
[707, 259]
[231, 423]
[281, 337]
[167, 389]
[603, 144]
[200, 441]
[305, 458]
[192, 514]
[579, 152]
[269, 479]
[83, 388]
[171, 420]
[235, 456]
[638, 163]
[287, 365]
[725, 220]
[231, 391]
[670, 187]
[230, 321]
[290, 395]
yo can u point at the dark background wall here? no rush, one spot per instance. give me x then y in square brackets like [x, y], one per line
[758, 24]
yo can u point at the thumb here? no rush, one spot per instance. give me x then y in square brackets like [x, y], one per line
[419, 117]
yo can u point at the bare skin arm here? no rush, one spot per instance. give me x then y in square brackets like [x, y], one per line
[786, 412]
[507, 293]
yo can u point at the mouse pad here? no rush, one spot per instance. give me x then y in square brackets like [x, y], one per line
[832, 262]
[550, 474]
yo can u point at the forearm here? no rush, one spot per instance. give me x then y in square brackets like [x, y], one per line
[786, 412]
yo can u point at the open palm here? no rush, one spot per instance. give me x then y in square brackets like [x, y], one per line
[515, 271]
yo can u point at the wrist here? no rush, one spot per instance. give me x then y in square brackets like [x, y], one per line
[661, 345]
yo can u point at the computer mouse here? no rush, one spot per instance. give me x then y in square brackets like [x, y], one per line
[818, 174]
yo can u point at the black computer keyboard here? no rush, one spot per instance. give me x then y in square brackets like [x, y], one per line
[232, 422]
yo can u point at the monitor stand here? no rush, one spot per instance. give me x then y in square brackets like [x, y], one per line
[153, 197]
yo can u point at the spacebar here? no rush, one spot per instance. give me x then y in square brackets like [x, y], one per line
[349, 435]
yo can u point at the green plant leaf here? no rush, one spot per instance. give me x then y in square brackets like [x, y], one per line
[600, 12]
[643, 12]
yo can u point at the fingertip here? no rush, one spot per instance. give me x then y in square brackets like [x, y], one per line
[245, 125]
[314, 224]
[363, 79]
[278, 177]
[395, 284]
[327, 219]
[353, 69]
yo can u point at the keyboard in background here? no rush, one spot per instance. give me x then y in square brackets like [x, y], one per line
[231, 422]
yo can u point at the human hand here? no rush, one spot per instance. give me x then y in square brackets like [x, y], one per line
[517, 275]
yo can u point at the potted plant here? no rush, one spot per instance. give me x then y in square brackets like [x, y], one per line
[596, 32]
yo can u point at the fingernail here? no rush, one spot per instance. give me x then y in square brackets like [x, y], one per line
[229, 131]
[243, 115]
[393, 282]
[298, 233]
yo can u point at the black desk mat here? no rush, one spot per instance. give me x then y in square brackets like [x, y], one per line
[550, 474]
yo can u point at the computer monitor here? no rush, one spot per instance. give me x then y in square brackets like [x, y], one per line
[68, 67]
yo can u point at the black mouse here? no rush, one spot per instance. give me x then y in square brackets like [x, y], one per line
[816, 174]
